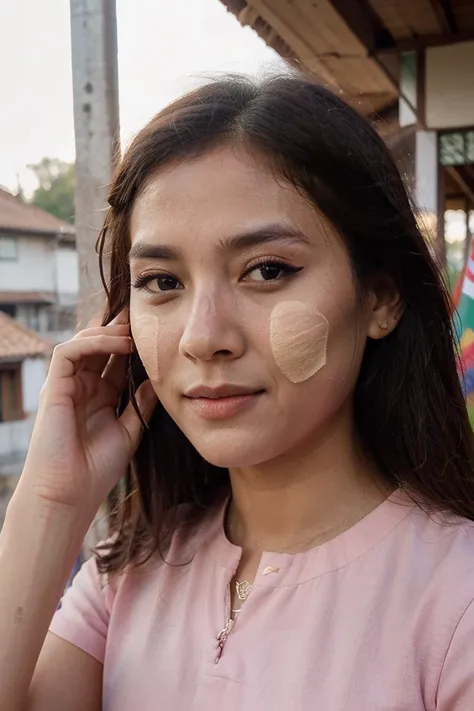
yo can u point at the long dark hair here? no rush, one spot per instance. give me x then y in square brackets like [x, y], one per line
[409, 408]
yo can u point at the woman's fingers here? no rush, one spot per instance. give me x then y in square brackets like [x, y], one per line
[98, 363]
[70, 356]
[117, 330]
[146, 400]
[115, 372]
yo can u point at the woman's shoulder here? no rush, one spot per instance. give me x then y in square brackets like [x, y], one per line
[96, 598]
[451, 533]
[438, 546]
[436, 568]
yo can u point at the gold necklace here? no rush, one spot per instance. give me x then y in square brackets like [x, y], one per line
[243, 590]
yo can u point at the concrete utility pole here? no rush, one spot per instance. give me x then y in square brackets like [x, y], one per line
[96, 123]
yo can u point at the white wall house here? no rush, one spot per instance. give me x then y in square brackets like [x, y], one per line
[38, 296]
[24, 358]
[38, 268]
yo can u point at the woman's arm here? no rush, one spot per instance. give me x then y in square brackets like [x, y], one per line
[38, 546]
[65, 679]
[456, 682]
[79, 450]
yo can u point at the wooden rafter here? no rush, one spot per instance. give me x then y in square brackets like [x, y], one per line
[443, 15]
[419, 43]
[365, 23]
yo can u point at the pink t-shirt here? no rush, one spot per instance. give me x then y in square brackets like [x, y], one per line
[381, 618]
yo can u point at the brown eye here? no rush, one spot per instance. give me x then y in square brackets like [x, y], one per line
[161, 282]
[166, 283]
[267, 272]
[270, 271]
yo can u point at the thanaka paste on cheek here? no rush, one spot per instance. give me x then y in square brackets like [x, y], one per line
[145, 333]
[298, 338]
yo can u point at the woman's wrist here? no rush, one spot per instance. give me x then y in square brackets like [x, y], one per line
[45, 538]
[38, 546]
[26, 508]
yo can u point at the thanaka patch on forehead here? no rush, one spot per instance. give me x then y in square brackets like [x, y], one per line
[145, 332]
[298, 339]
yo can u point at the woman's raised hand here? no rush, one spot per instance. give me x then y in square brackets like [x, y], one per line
[80, 448]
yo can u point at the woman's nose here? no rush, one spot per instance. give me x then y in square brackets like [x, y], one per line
[211, 331]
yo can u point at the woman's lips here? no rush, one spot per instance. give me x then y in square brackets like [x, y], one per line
[221, 408]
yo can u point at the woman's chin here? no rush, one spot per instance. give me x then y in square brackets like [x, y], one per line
[233, 451]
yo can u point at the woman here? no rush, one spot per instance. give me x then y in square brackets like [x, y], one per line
[294, 530]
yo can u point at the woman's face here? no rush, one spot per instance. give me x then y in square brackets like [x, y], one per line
[243, 308]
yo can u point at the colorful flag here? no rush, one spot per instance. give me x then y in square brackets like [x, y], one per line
[465, 323]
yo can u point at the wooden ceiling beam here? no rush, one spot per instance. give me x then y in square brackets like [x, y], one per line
[364, 23]
[451, 19]
[339, 64]
[304, 52]
[442, 15]
[426, 41]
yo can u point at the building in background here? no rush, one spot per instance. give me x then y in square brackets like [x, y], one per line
[38, 297]
[24, 357]
[405, 63]
[38, 268]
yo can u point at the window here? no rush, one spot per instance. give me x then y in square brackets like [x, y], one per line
[456, 148]
[408, 88]
[11, 407]
[9, 309]
[32, 313]
[8, 248]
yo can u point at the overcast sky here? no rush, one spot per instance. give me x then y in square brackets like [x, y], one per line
[165, 47]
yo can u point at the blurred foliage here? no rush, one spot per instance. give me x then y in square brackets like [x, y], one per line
[456, 256]
[470, 412]
[451, 275]
[56, 185]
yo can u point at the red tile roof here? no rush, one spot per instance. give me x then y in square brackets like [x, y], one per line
[23, 217]
[27, 297]
[18, 343]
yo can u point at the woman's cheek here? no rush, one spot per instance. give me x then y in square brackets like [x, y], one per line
[298, 339]
[146, 335]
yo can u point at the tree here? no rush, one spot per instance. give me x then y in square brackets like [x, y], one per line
[56, 184]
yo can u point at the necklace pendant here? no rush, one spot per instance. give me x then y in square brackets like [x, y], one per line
[243, 590]
[222, 639]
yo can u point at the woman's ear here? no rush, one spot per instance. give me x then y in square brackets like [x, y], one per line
[385, 308]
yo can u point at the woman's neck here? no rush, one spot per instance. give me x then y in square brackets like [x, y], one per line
[304, 498]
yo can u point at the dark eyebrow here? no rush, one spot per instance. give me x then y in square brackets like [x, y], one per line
[141, 250]
[268, 233]
[235, 243]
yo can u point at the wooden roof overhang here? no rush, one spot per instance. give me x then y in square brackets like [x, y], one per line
[354, 45]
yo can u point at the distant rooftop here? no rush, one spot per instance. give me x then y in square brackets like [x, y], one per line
[17, 215]
[18, 343]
